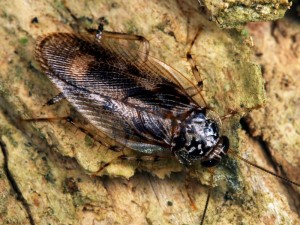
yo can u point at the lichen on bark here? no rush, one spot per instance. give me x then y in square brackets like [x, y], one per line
[52, 162]
[232, 13]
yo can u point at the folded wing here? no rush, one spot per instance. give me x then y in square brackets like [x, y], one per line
[126, 94]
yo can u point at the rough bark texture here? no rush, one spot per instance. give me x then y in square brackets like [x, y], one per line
[232, 13]
[277, 123]
[46, 168]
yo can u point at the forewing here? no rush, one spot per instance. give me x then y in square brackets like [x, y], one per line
[129, 126]
[120, 90]
[110, 68]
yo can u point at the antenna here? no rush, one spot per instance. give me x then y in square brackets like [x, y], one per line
[230, 152]
[261, 168]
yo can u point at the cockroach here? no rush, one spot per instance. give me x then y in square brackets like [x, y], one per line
[133, 98]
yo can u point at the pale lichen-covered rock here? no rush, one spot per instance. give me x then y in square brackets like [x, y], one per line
[232, 13]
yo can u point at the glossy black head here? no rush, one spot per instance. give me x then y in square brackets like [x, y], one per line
[198, 139]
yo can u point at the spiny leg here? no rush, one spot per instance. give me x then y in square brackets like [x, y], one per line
[195, 70]
[129, 37]
[71, 121]
[211, 171]
[187, 186]
[55, 99]
[101, 33]
[194, 89]
[83, 130]
[230, 114]
[190, 59]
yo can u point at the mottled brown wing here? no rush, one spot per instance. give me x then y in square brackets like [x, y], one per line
[126, 94]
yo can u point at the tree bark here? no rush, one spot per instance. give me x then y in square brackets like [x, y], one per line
[47, 167]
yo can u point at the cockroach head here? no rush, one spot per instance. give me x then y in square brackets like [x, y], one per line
[198, 139]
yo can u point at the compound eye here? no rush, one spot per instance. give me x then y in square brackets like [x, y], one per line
[210, 163]
[219, 151]
[225, 143]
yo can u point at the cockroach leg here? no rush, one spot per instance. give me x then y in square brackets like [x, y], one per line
[103, 21]
[55, 99]
[110, 147]
[48, 119]
[186, 184]
[71, 121]
[199, 86]
[212, 171]
[145, 46]
[190, 59]
[193, 91]
[131, 37]
[230, 114]
[101, 33]
[195, 70]
[123, 36]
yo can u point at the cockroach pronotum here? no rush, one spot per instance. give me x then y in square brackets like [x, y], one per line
[133, 98]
